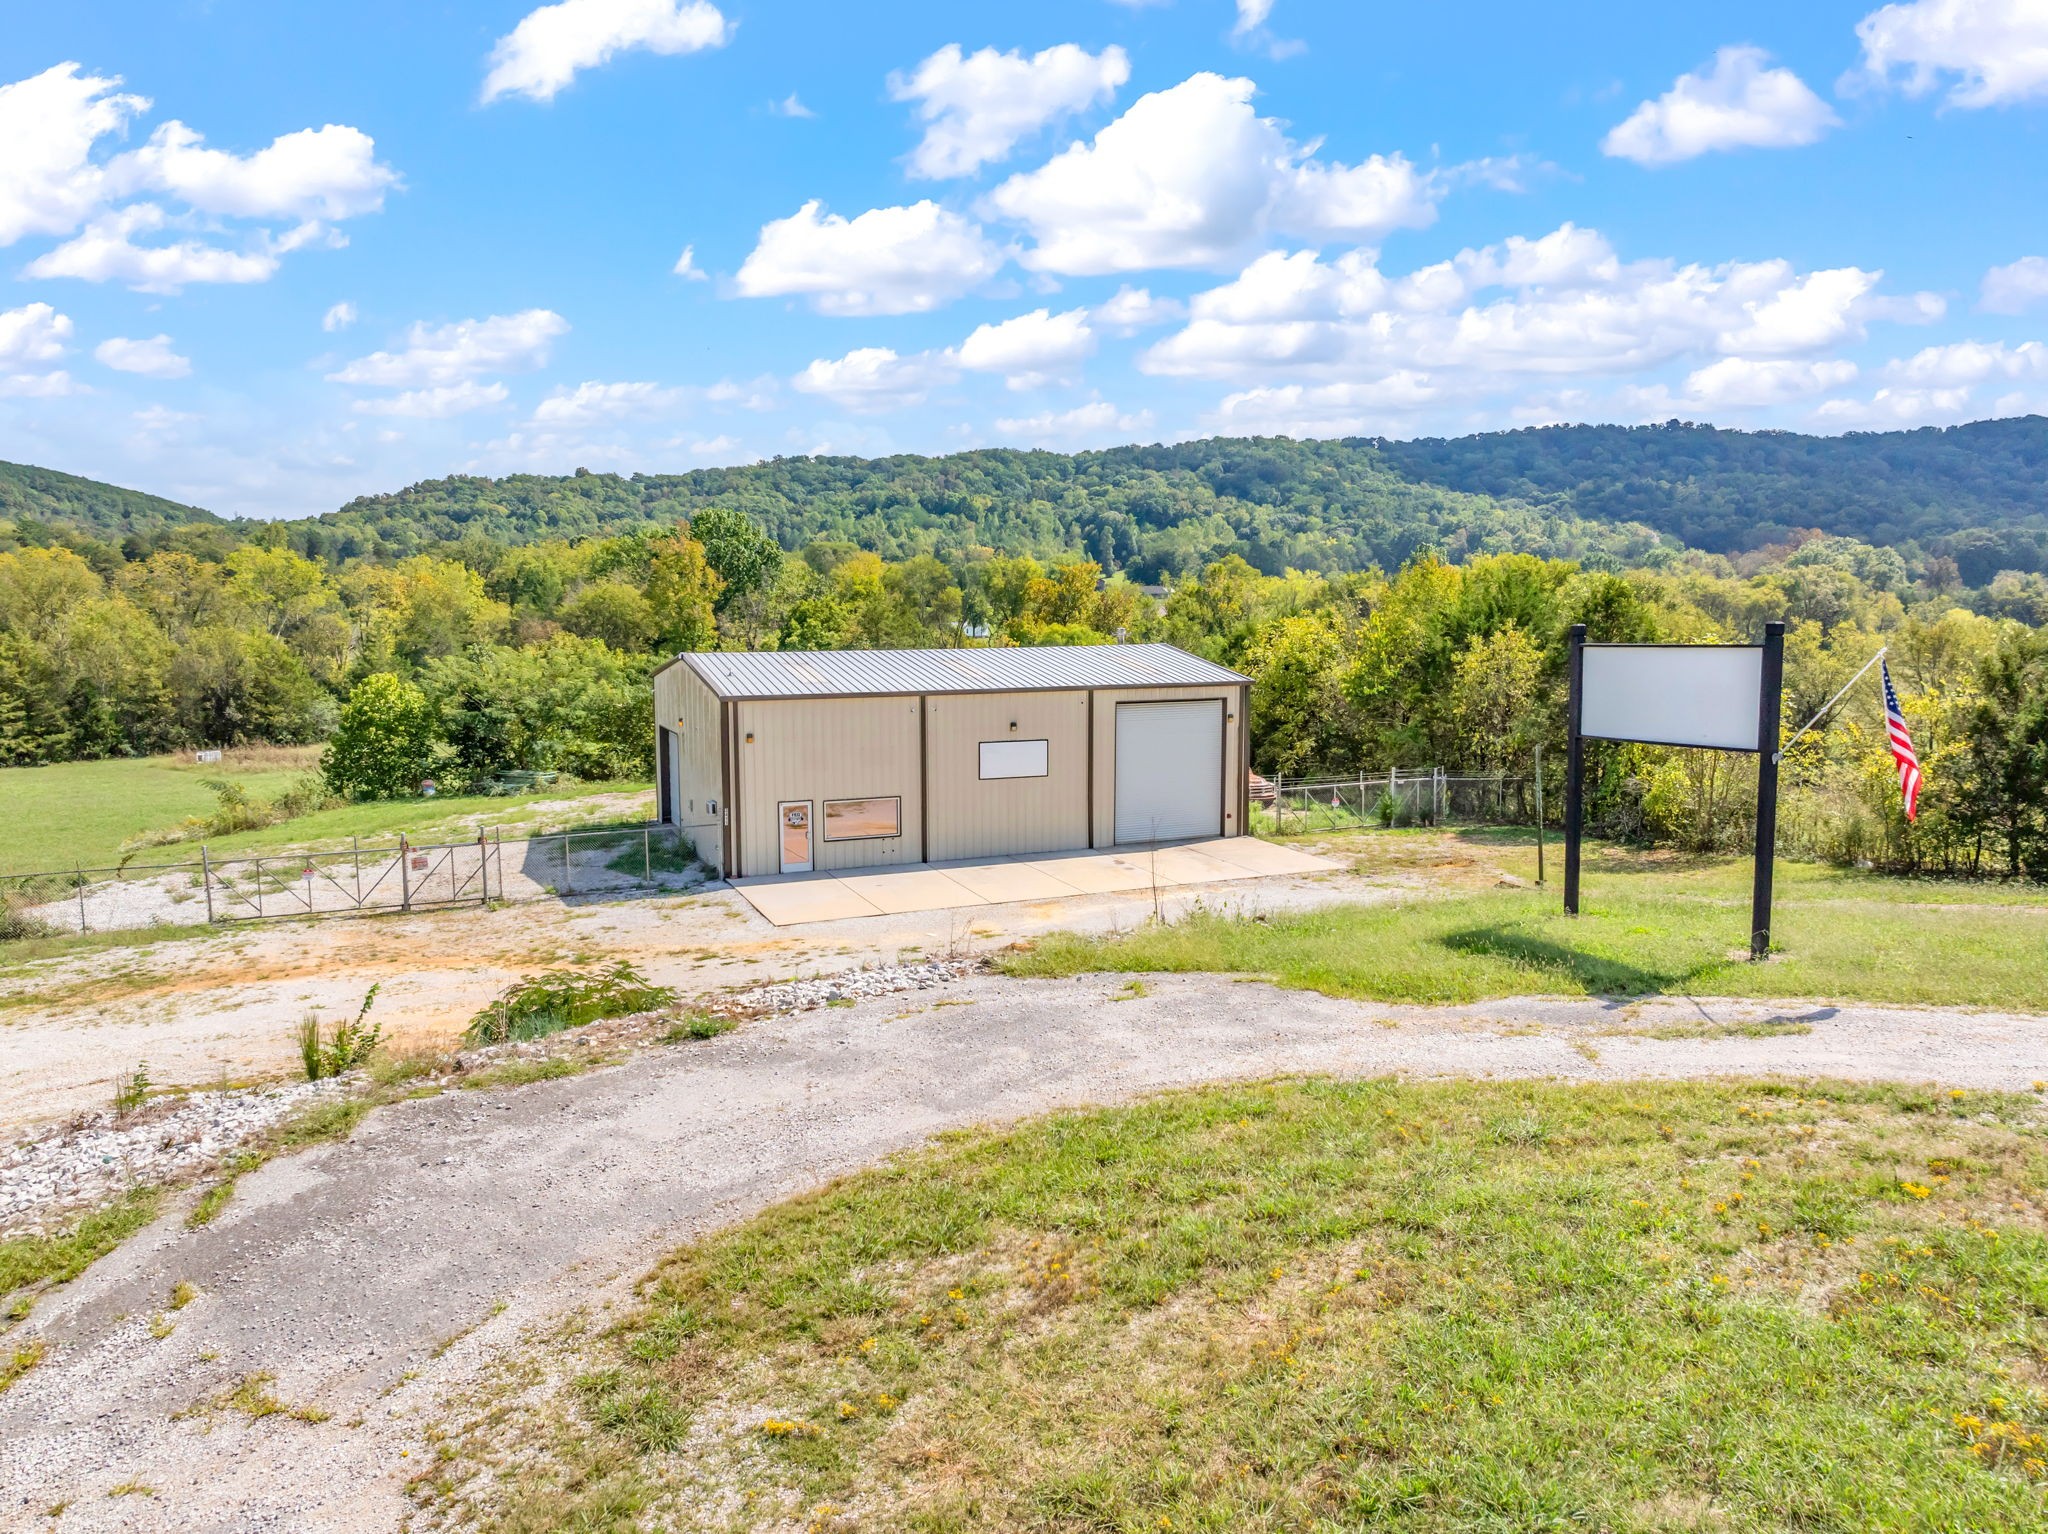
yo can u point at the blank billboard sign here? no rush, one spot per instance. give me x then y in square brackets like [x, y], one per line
[1673, 695]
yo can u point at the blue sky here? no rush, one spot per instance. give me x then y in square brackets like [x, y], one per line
[265, 257]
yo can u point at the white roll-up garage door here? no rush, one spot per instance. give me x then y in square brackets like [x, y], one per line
[1169, 764]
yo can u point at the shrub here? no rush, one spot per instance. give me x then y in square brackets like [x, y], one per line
[385, 743]
[352, 1042]
[698, 1025]
[565, 998]
[132, 1090]
[18, 920]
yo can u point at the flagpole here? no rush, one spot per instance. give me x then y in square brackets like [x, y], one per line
[1816, 719]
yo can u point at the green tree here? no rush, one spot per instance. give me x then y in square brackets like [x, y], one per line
[384, 744]
[2009, 752]
[615, 613]
[1301, 720]
[683, 590]
[1494, 697]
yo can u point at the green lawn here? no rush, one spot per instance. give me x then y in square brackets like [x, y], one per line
[81, 812]
[1648, 925]
[1445, 1307]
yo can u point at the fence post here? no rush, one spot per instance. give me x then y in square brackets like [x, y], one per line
[1539, 812]
[483, 868]
[404, 873]
[259, 889]
[355, 844]
[206, 878]
[568, 863]
[646, 855]
[78, 871]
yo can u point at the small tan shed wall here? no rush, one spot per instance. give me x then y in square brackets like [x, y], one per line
[970, 817]
[819, 749]
[685, 704]
[1230, 769]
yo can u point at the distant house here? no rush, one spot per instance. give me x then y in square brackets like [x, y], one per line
[794, 761]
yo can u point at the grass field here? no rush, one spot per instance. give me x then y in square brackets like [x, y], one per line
[1328, 1307]
[1648, 925]
[82, 812]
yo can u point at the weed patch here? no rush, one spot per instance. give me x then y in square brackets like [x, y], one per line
[39, 1262]
[565, 998]
[698, 1025]
[16, 1362]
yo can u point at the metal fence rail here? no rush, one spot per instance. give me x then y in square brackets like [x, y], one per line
[356, 880]
[1398, 796]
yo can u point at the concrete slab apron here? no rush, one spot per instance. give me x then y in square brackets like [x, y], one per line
[343, 1270]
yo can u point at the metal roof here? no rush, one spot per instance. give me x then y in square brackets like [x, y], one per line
[868, 673]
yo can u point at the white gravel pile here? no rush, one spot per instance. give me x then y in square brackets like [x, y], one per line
[95, 1154]
[857, 985]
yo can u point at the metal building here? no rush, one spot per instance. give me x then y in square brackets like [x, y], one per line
[794, 761]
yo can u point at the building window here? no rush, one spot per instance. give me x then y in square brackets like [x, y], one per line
[1013, 759]
[859, 820]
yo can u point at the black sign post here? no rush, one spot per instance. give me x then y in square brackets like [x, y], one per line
[1772, 681]
[1766, 789]
[1574, 772]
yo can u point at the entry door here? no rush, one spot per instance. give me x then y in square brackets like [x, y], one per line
[795, 818]
[1169, 770]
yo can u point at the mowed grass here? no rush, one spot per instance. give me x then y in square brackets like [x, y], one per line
[1310, 1306]
[1647, 926]
[81, 812]
[75, 813]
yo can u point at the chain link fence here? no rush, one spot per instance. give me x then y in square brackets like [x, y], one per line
[356, 880]
[1399, 796]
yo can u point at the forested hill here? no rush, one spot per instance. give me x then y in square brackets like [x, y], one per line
[45, 495]
[1151, 511]
[1981, 489]
[1607, 495]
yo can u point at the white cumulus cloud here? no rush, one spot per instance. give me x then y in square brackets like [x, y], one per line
[1129, 310]
[33, 333]
[1890, 408]
[152, 357]
[686, 266]
[1745, 383]
[436, 403]
[1737, 102]
[874, 378]
[331, 173]
[1966, 363]
[977, 107]
[338, 317]
[51, 184]
[1339, 345]
[448, 354]
[1988, 52]
[1097, 421]
[1032, 349]
[49, 124]
[887, 261]
[1193, 176]
[105, 251]
[2016, 287]
[543, 53]
[591, 402]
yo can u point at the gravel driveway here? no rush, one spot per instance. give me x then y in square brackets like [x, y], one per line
[374, 1277]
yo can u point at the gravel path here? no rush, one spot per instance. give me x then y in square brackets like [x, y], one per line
[374, 1277]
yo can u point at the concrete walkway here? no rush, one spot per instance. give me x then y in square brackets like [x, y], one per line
[789, 900]
[375, 1278]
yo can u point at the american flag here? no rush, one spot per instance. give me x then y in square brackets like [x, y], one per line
[1902, 746]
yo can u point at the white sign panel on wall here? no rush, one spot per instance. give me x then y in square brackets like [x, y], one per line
[1673, 695]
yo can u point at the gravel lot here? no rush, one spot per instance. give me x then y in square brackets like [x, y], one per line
[375, 1277]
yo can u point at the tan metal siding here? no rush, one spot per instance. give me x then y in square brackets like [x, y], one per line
[819, 749]
[970, 817]
[683, 703]
[1228, 787]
